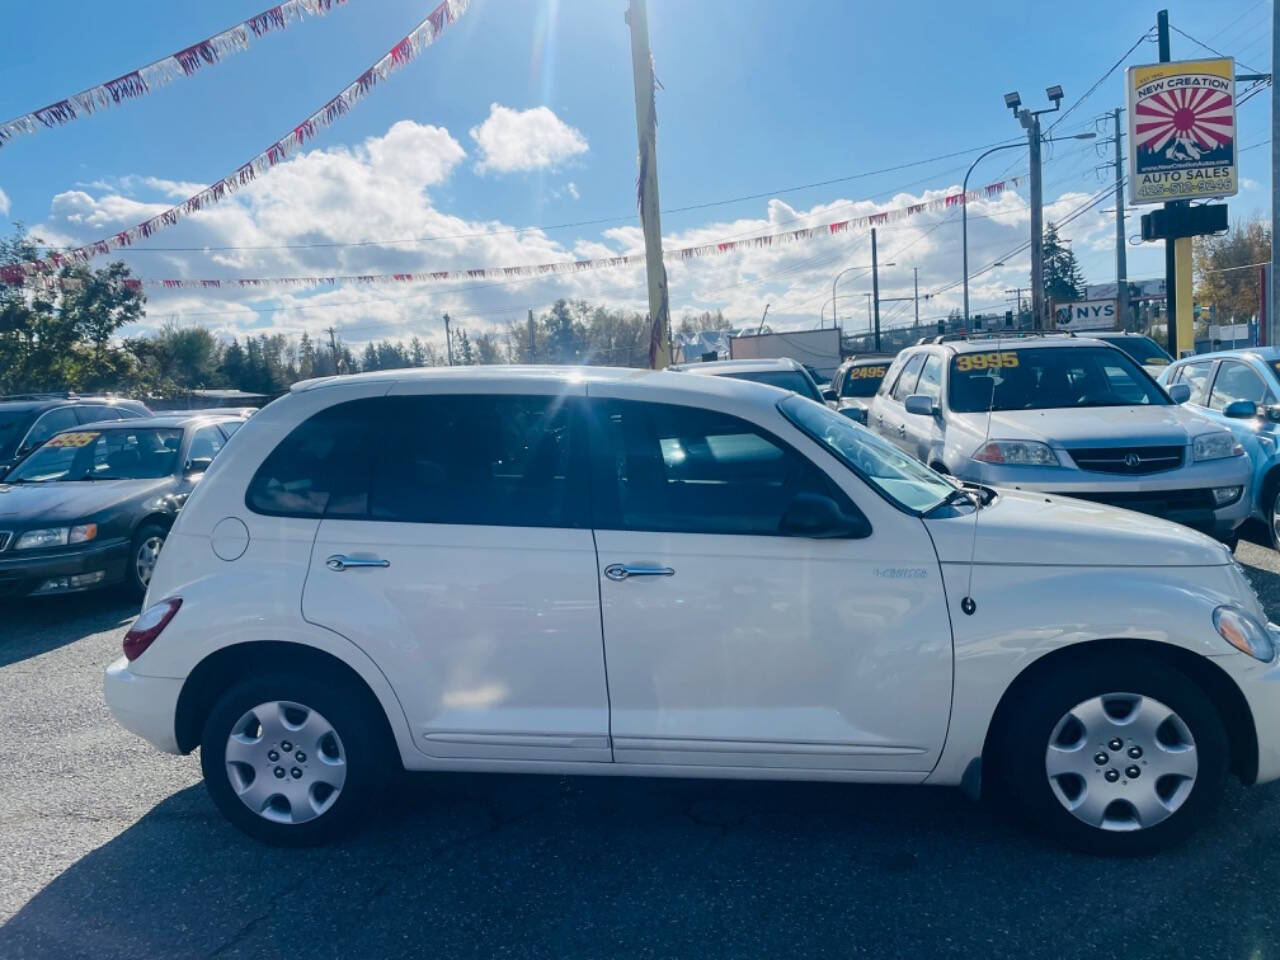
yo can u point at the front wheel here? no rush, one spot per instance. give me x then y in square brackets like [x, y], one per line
[144, 551]
[1116, 755]
[290, 760]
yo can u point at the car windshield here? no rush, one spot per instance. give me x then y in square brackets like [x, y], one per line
[792, 380]
[1049, 378]
[904, 480]
[114, 454]
[13, 427]
[863, 381]
[1143, 349]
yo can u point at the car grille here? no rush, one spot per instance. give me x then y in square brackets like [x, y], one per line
[4, 540]
[1160, 503]
[1130, 461]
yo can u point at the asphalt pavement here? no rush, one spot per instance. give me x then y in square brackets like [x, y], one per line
[110, 849]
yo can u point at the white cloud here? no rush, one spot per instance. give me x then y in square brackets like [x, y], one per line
[295, 220]
[4, 204]
[573, 190]
[520, 140]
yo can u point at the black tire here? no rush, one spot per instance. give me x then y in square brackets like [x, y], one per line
[142, 538]
[1021, 745]
[361, 743]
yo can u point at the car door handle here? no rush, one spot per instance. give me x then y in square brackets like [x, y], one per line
[621, 571]
[339, 562]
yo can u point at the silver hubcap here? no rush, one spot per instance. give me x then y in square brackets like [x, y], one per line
[285, 762]
[1121, 761]
[145, 561]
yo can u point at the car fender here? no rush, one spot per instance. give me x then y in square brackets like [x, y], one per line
[1025, 612]
[248, 605]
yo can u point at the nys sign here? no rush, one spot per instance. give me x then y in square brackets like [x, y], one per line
[1085, 315]
[1182, 130]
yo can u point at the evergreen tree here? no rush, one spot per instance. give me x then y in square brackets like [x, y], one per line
[1063, 280]
[463, 353]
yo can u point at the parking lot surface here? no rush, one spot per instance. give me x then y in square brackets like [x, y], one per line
[109, 849]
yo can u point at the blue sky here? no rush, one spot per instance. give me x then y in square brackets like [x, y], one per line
[758, 97]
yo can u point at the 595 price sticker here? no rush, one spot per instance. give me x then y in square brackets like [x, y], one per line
[986, 361]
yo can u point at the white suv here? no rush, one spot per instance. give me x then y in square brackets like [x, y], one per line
[583, 571]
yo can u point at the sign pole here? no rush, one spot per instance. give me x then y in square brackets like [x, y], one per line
[1273, 301]
[1170, 256]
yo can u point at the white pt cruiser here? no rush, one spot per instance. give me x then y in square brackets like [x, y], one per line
[583, 571]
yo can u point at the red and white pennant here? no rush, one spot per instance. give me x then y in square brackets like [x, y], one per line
[138, 83]
[947, 202]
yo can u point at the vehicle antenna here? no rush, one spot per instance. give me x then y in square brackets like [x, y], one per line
[967, 604]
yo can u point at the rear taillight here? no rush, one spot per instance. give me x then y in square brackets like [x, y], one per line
[149, 626]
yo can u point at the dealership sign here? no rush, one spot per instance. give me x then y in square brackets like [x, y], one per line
[1182, 130]
[1085, 315]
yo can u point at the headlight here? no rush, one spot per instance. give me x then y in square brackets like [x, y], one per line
[1244, 633]
[1215, 446]
[1017, 452]
[56, 536]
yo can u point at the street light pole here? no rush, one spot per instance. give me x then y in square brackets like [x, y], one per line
[1037, 222]
[964, 220]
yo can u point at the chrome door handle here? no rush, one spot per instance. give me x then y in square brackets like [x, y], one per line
[338, 562]
[621, 571]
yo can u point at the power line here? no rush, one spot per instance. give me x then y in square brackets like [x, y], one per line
[562, 226]
[1201, 43]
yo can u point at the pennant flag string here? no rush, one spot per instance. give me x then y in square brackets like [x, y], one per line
[405, 50]
[138, 83]
[950, 201]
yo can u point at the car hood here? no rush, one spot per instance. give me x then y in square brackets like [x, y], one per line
[1102, 426]
[69, 501]
[1021, 527]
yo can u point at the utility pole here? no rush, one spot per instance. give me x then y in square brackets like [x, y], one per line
[1032, 122]
[1170, 246]
[448, 340]
[532, 341]
[333, 347]
[1122, 270]
[637, 19]
[875, 285]
[915, 276]
[1273, 301]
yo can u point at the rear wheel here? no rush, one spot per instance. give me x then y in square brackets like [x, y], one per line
[1116, 755]
[290, 760]
[1274, 518]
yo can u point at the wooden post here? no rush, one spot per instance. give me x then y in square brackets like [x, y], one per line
[646, 135]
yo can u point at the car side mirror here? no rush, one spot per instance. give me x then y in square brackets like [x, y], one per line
[1179, 392]
[921, 405]
[199, 464]
[1240, 410]
[813, 515]
[829, 394]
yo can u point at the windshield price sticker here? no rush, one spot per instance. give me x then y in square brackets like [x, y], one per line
[985, 361]
[72, 440]
[867, 373]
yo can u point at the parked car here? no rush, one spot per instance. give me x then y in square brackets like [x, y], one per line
[784, 373]
[93, 506]
[29, 420]
[1153, 357]
[1240, 389]
[1025, 413]
[856, 382]
[405, 569]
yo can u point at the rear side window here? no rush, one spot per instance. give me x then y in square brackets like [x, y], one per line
[95, 412]
[664, 467]
[514, 461]
[1196, 376]
[906, 384]
[322, 467]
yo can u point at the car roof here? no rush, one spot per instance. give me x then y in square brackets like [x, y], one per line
[1265, 354]
[868, 358]
[1016, 342]
[726, 368]
[664, 384]
[158, 421]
